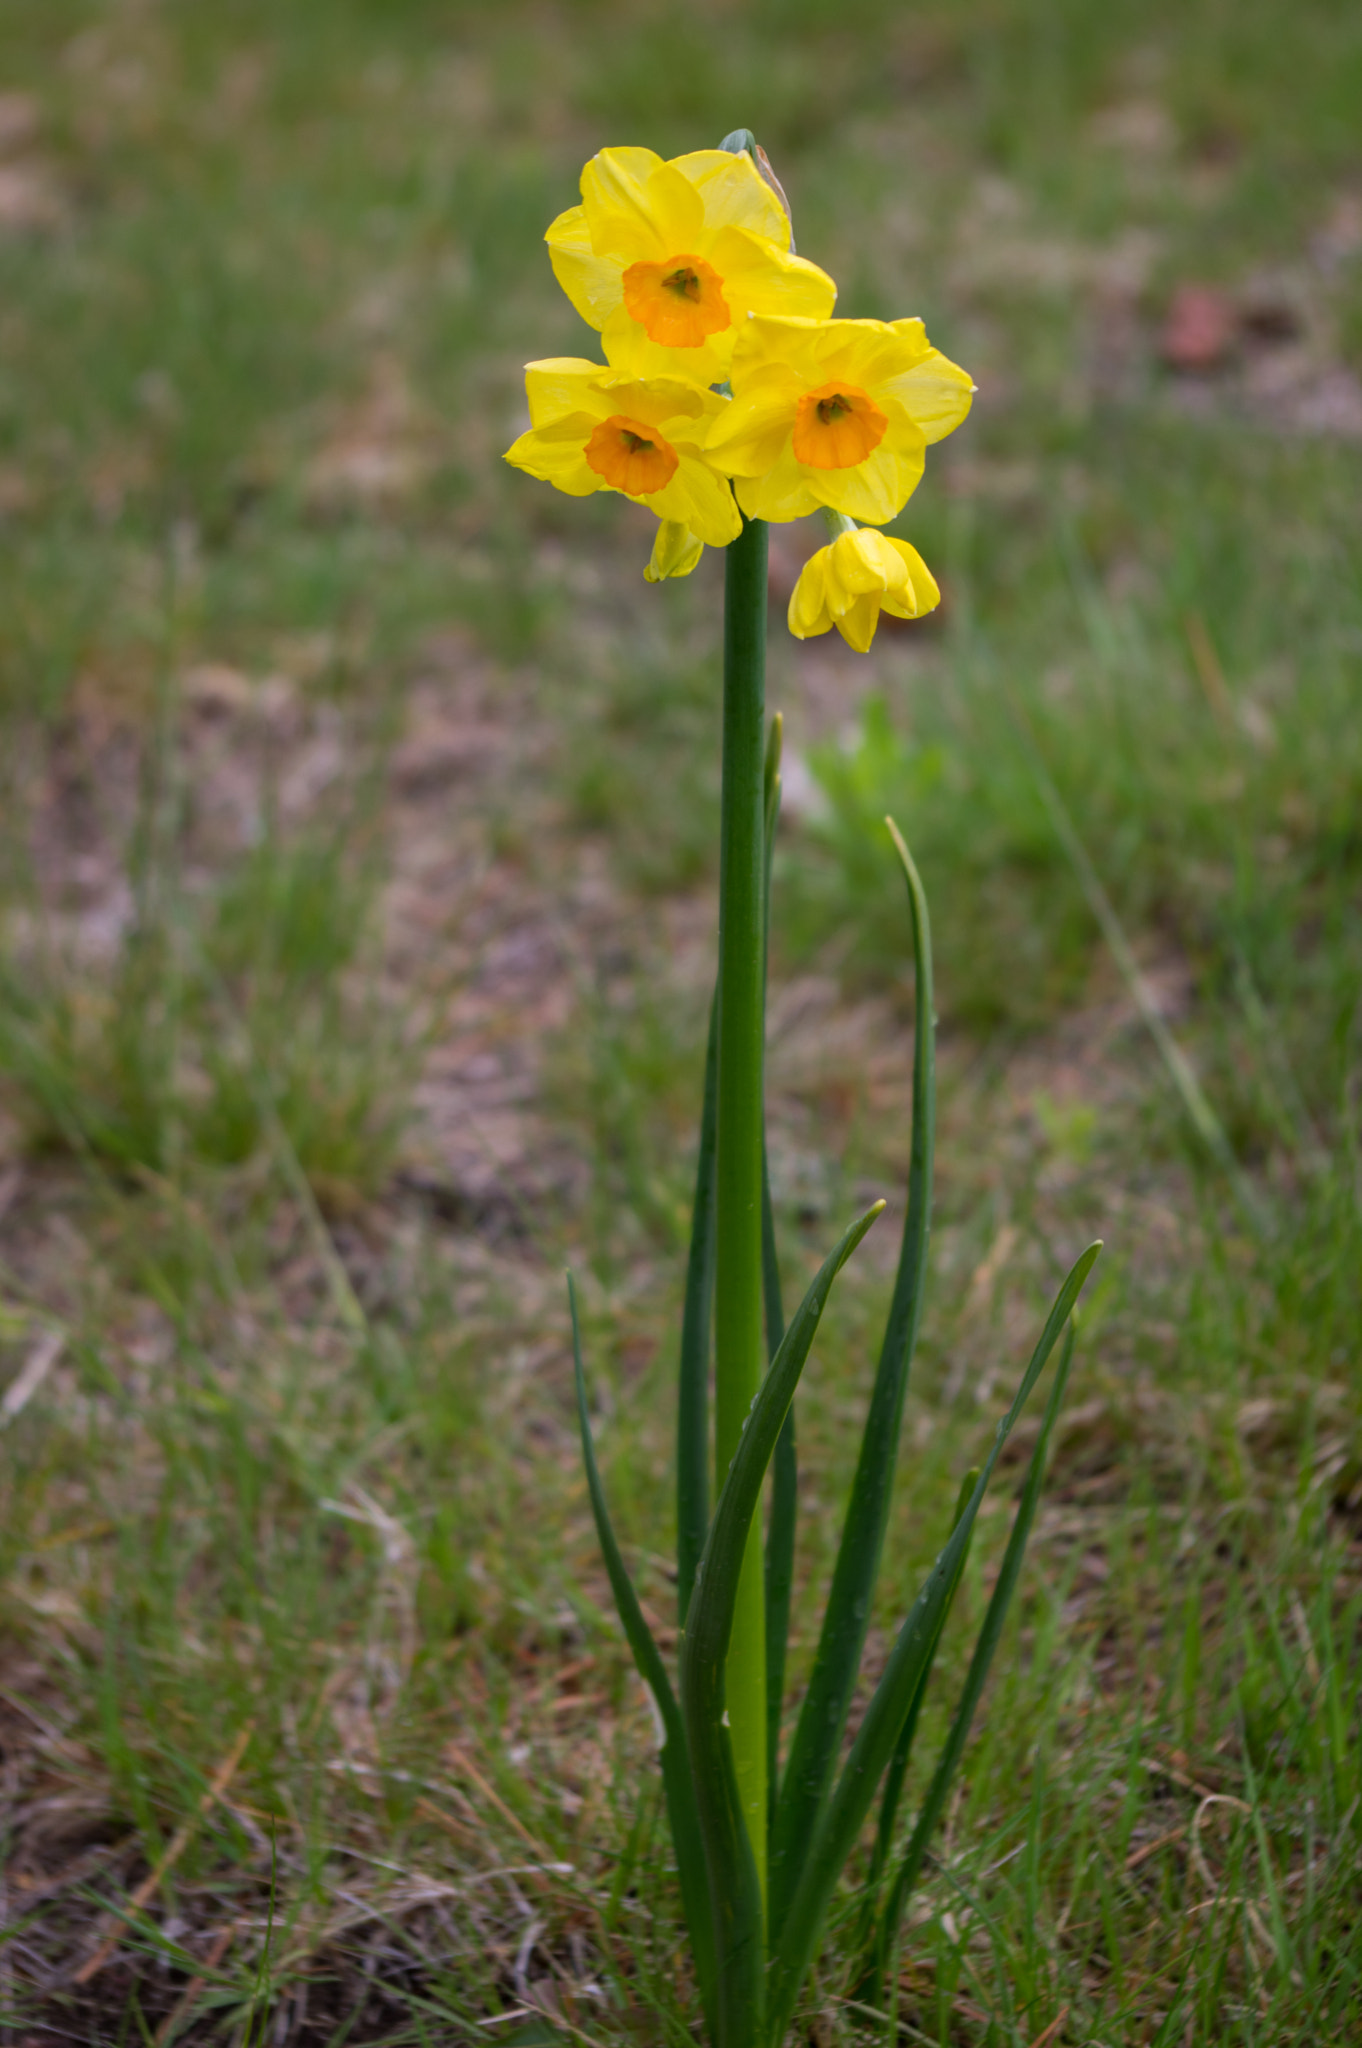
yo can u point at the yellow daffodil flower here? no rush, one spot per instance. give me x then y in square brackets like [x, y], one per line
[848, 585]
[668, 259]
[676, 552]
[834, 412]
[592, 429]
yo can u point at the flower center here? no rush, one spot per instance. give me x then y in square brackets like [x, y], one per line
[631, 457]
[679, 303]
[836, 426]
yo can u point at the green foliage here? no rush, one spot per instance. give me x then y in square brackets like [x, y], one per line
[754, 1947]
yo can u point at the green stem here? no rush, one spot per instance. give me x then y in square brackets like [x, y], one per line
[739, 1354]
[692, 1428]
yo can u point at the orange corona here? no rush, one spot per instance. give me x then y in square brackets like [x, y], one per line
[679, 303]
[836, 426]
[631, 457]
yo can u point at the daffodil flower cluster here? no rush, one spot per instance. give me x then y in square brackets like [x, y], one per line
[729, 391]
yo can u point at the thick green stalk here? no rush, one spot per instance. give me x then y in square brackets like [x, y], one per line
[739, 1354]
[692, 1416]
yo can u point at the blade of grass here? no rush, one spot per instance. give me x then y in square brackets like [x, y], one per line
[840, 1823]
[179, 1842]
[1201, 1116]
[989, 1635]
[676, 1773]
[818, 1734]
[734, 1888]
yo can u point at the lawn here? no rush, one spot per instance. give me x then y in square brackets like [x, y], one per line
[357, 906]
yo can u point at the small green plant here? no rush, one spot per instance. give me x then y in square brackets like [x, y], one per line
[732, 398]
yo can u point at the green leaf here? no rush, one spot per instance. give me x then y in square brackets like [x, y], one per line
[840, 1823]
[818, 1735]
[692, 1405]
[780, 1529]
[948, 1763]
[676, 1772]
[734, 1889]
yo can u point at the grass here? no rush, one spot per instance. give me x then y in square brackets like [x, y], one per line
[357, 864]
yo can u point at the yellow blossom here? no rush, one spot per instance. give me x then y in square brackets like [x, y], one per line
[668, 259]
[848, 585]
[676, 552]
[593, 429]
[836, 413]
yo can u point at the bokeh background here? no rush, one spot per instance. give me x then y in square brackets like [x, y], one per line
[357, 876]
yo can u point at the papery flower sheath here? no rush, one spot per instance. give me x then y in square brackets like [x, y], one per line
[848, 585]
[836, 413]
[668, 259]
[592, 429]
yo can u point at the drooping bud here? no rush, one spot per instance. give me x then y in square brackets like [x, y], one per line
[675, 552]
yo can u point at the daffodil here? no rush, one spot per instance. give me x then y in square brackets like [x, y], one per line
[848, 585]
[593, 429]
[676, 552]
[668, 259]
[836, 413]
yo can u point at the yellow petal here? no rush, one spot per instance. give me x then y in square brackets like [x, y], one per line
[554, 455]
[857, 626]
[860, 562]
[698, 498]
[662, 401]
[913, 335]
[935, 392]
[675, 552]
[808, 613]
[785, 491]
[865, 352]
[615, 201]
[926, 593]
[734, 193]
[760, 279]
[748, 435]
[560, 385]
[875, 490]
[591, 282]
[676, 210]
[768, 339]
[636, 217]
[628, 348]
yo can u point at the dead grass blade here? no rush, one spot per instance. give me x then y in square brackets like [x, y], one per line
[175, 1848]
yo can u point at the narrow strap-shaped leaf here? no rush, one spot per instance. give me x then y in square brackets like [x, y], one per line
[868, 1989]
[775, 740]
[780, 1529]
[949, 1761]
[676, 1773]
[818, 1734]
[692, 1405]
[840, 1822]
[739, 1944]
